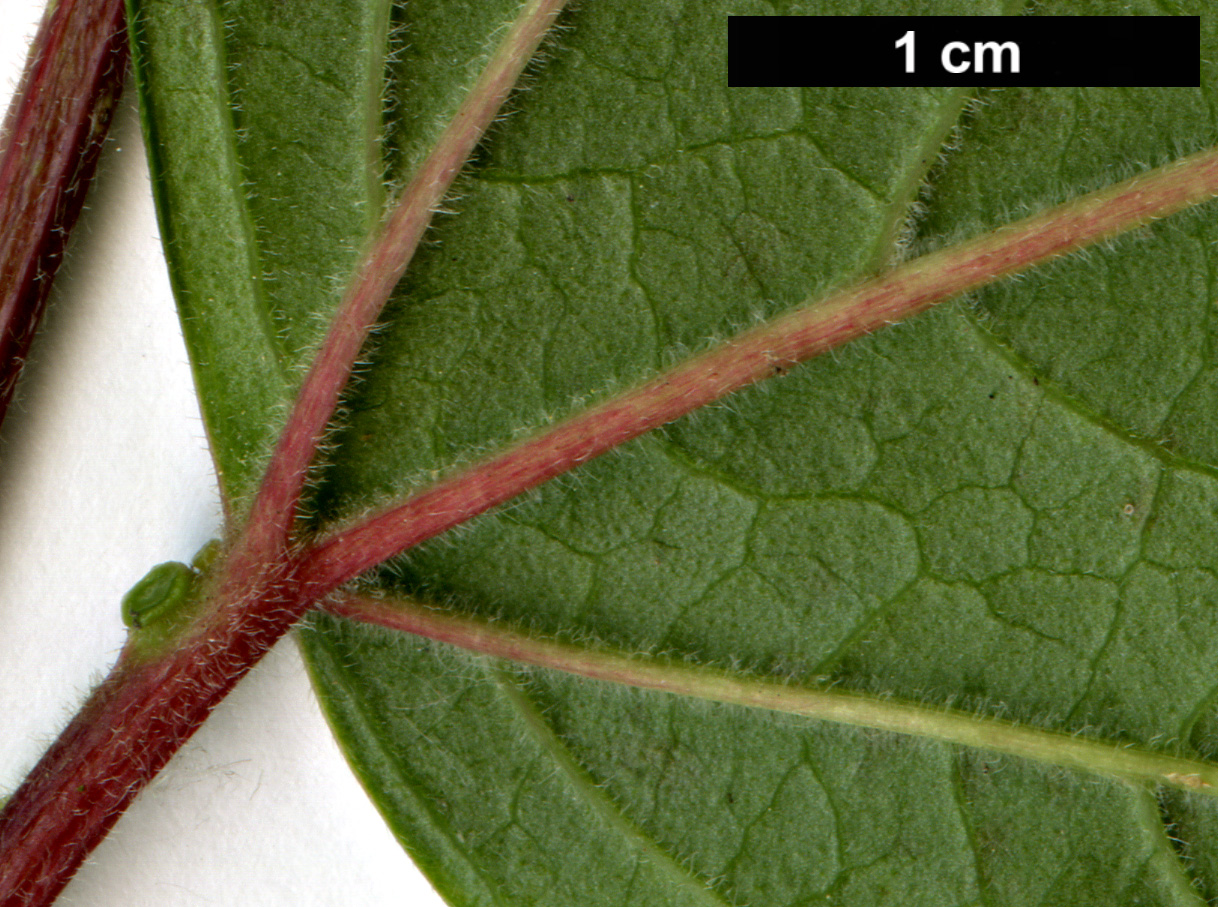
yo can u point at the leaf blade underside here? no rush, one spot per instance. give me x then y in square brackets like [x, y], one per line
[940, 513]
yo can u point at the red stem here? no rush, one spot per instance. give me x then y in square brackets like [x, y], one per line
[128, 729]
[152, 703]
[52, 138]
[760, 353]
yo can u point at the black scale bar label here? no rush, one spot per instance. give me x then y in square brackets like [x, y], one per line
[1063, 51]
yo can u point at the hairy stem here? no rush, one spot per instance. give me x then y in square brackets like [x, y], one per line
[127, 730]
[1074, 752]
[52, 137]
[152, 703]
[274, 509]
[158, 695]
[767, 350]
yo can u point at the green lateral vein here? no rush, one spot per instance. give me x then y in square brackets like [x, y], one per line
[234, 175]
[1078, 753]
[204, 218]
[902, 209]
[995, 345]
[381, 759]
[901, 212]
[969, 829]
[1164, 857]
[374, 121]
[595, 797]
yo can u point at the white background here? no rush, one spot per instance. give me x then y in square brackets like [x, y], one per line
[104, 472]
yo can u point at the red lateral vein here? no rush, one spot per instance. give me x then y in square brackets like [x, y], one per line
[274, 510]
[151, 703]
[156, 698]
[1076, 752]
[767, 350]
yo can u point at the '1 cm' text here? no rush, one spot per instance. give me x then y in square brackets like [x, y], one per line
[958, 57]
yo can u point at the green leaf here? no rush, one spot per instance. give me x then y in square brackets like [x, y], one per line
[1003, 507]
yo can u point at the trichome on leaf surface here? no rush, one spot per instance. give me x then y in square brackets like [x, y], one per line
[979, 543]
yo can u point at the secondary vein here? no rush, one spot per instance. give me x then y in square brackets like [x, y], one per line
[599, 801]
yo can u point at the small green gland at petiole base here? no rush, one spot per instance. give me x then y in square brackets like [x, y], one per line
[159, 594]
